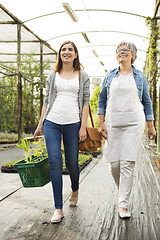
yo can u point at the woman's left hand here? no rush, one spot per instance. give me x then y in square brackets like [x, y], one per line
[151, 132]
[82, 134]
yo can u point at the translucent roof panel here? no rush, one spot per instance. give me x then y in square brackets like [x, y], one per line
[30, 43]
[104, 23]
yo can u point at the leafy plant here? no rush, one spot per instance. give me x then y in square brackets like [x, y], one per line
[40, 149]
[33, 154]
[5, 136]
[10, 164]
[82, 159]
[30, 70]
[94, 99]
[25, 145]
[153, 62]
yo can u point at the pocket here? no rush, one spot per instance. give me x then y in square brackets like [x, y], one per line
[123, 119]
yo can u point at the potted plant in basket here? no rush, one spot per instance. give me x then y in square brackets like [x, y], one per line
[34, 169]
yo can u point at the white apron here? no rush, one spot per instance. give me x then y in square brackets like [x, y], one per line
[125, 120]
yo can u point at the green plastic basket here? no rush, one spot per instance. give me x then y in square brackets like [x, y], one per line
[34, 174]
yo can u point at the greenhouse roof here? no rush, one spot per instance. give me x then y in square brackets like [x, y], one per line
[95, 27]
[30, 42]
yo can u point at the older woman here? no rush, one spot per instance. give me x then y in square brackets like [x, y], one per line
[124, 104]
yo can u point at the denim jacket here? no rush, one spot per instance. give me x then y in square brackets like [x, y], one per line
[143, 92]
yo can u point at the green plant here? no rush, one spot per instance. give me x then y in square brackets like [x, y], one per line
[4, 164]
[11, 163]
[25, 145]
[153, 62]
[12, 136]
[33, 154]
[40, 149]
[94, 99]
[153, 44]
[82, 159]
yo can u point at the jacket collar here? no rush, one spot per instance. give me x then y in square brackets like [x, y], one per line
[134, 70]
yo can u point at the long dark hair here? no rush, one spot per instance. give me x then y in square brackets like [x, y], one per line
[76, 62]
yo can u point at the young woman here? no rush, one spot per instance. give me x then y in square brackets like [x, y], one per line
[124, 103]
[64, 114]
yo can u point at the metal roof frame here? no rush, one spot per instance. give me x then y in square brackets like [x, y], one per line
[16, 40]
[28, 41]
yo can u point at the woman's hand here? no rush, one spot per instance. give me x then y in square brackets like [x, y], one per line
[38, 132]
[103, 131]
[151, 130]
[151, 133]
[82, 134]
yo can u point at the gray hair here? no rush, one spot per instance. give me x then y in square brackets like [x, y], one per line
[131, 46]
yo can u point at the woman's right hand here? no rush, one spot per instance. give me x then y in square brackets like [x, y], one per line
[103, 131]
[38, 132]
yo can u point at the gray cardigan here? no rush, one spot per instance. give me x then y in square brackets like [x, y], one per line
[51, 92]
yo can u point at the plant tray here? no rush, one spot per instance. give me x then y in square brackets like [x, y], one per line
[34, 174]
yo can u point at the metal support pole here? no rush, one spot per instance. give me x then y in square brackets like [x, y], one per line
[41, 76]
[19, 85]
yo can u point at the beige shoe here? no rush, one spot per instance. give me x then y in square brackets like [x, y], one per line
[124, 214]
[56, 218]
[73, 201]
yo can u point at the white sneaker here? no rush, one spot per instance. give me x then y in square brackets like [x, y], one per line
[124, 214]
[56, 218]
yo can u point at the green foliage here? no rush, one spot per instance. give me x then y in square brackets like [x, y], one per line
[8, 104]
[94, 107]
[40, 148]
[25, 146]
[95, 120]
[30, 70]
[12, 136]
[30, 153]
[11, 163]
[34, 154]
[94, 99]
[82, 159]
[153, 44]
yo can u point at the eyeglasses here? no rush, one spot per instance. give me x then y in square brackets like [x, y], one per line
[122, 50]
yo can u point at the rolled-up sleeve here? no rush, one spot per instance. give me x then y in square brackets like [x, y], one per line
[146, 101]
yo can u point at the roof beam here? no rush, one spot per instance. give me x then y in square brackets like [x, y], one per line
[156, 8]
[8, 22]
[133, 34]
[89, 10]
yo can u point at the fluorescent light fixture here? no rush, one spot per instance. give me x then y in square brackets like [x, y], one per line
[94, 52]
[101, 63]
[85, 37]
[70, 12]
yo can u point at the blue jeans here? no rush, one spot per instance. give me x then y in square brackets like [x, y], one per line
[53, 133]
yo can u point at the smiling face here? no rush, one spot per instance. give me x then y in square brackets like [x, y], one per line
[124, 54]
[67, 53]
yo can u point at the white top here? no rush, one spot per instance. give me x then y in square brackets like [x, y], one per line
[65, 109]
